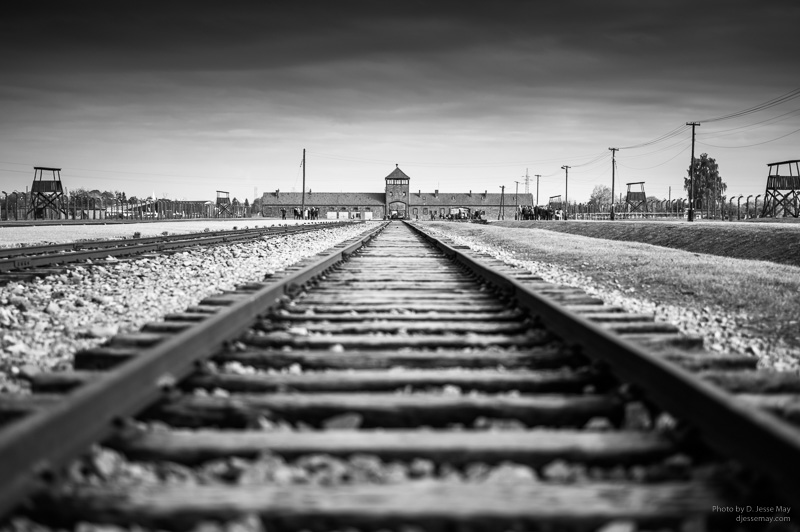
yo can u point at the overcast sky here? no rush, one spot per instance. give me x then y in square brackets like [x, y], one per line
[183, 99]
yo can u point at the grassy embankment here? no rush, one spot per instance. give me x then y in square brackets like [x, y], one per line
[755, 241]
[764, 295]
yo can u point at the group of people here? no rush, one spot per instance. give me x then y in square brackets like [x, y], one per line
[529, 212]
[461, 215]
[309, 213]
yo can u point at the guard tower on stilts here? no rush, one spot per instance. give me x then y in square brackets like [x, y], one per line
[223, 204]
[46, 194]
[782, 197]
[636, 200]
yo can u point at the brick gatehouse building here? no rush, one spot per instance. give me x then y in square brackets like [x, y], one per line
[396, 200]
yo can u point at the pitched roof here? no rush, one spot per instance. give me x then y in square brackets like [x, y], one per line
[464, 199]
[338, 199]
[397, 174]
[377, 199]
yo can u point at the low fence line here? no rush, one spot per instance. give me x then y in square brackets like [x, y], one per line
[16, 206]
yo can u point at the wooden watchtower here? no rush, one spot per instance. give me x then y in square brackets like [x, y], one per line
[636, 200]
[223, 204]
[47, 194]
[782, 197]
[555, 202]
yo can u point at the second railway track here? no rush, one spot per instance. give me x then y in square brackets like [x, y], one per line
[27, 262]
[401, 381]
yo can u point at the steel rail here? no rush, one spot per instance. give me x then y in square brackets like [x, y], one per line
[45, 440]
[101, 244]
[753, 436]
[117, 248]
[98, 244]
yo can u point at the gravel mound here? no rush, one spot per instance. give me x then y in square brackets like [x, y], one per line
[42, 323]
[12, 236]
[721, 331]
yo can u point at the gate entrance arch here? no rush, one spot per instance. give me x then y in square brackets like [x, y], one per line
[398, 209]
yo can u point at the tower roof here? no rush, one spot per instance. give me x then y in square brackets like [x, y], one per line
[397, 174]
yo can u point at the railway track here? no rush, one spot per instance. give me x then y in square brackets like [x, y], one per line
[402, 381]
[22, 263]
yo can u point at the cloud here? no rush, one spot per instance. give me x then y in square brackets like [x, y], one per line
[235, 85]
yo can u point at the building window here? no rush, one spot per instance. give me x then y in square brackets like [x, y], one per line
[425, 210]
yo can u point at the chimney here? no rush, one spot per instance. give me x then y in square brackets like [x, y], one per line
[419, 193]
[278, 193]
[470, 193]
[436, 193]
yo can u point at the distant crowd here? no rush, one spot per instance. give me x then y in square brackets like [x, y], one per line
[528, 212]
[311, 213]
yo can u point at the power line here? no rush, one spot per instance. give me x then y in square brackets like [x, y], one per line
[670, 134]
[597, 159]
[665, 148]
[660, 164]
[756, 108]
[761, 123]
[750, 145]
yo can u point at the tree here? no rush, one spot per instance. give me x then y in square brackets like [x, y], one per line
[708, 184]
[256, 206]
[601, 195]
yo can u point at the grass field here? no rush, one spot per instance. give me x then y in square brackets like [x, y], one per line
[754, 241]
[758, 299]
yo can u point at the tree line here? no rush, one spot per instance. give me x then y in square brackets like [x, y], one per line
[708, 184]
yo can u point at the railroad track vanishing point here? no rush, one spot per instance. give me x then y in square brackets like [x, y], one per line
[402, 381]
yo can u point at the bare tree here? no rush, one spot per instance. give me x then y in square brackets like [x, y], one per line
[601, 195]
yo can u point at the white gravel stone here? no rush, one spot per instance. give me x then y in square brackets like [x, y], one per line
[721, 330]
[43, 322]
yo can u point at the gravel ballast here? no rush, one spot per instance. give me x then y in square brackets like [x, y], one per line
[722, 330]
[43, 322]
[13, 236]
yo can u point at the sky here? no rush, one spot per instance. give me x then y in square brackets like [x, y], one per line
[181, 99]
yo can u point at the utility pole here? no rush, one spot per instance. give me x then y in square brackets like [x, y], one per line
[516, 204]
[537, 188]
[303, 197]
[502, 205]
[566, 190]
[691, 175]
[613, 168]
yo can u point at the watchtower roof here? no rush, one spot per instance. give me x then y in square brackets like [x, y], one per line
[397, 174]
[47, 168]
[784, 162]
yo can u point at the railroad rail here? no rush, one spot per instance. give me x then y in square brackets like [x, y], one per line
[22, 262]
[486, 398]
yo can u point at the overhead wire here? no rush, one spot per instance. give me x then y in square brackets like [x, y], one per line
[749, 145]
[760, 124]
[657, 165]
[795, 93]
[668, 135]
